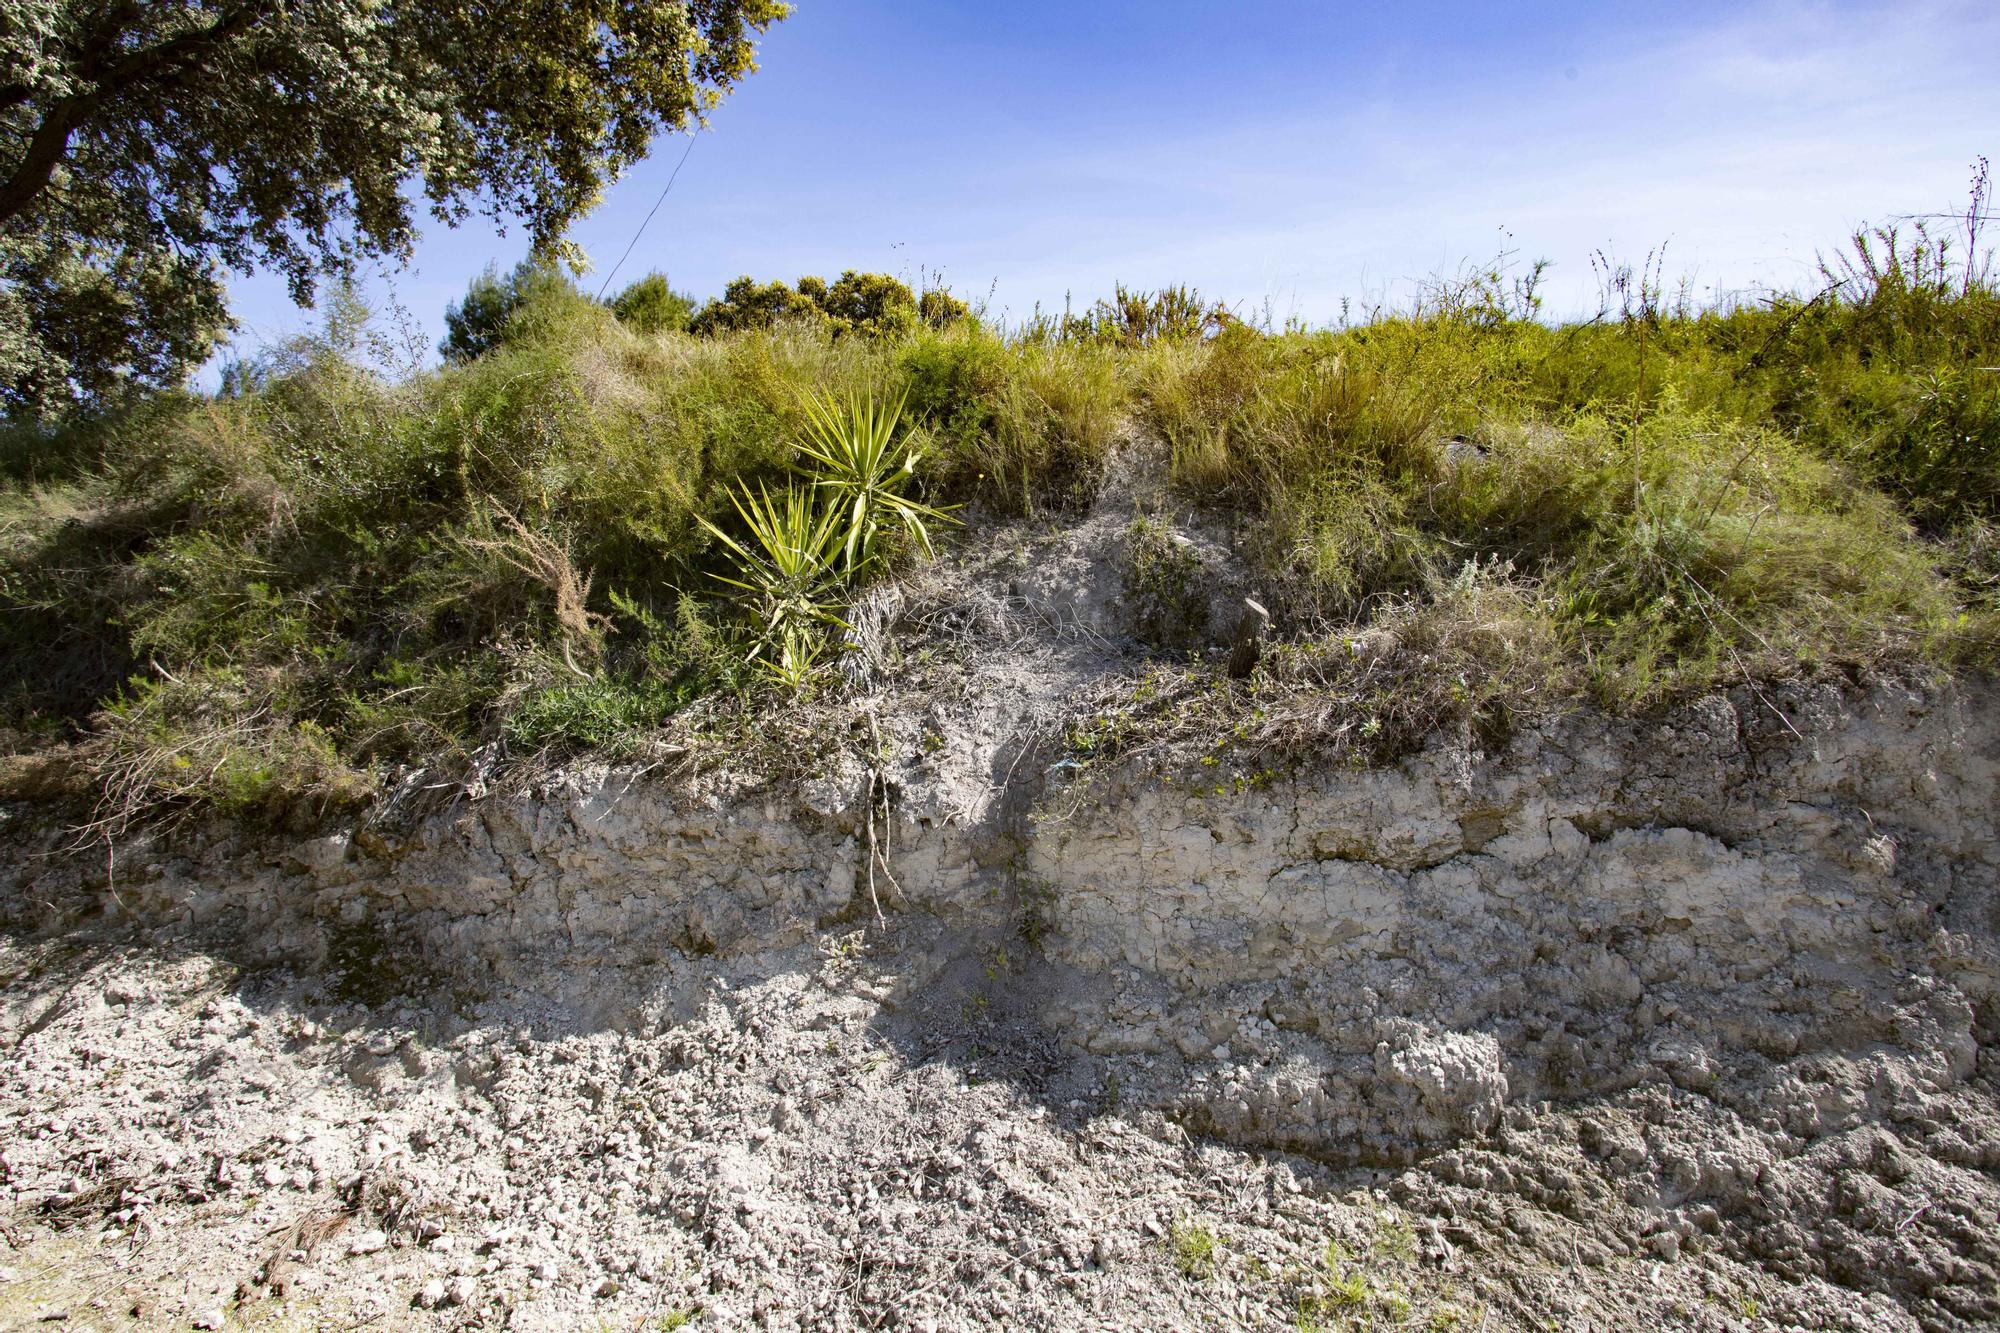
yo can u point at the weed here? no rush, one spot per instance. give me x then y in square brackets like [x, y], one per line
[1395, 1239]
[1164, 596]
[1196, 1250]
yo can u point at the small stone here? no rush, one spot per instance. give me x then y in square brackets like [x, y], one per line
[367, 1242]
[1247, 643]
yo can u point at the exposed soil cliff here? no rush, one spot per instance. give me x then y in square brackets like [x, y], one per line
[1687, 1020]
[1692, 1016]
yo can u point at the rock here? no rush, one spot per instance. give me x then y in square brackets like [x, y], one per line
[1459, 1078]
[1460, 450]
[431, 1295]
[367, 1242]
[1246, 646]
[460, 1291]
[319, 856]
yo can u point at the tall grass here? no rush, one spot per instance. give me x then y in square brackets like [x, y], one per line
[288, 587]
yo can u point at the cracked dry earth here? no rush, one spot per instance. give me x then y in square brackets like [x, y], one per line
[793, 1140]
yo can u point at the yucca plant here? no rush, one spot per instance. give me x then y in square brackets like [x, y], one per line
[867, 470]
[791, 569]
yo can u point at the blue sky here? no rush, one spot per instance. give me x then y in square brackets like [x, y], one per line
[1288, 154]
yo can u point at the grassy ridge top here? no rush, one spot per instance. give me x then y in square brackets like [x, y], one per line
[285, 590]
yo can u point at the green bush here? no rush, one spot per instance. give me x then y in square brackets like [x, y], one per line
[484, 317]
[1135, 318]
[872, 305]
[744, 304]
[599, 714]
[652, 306]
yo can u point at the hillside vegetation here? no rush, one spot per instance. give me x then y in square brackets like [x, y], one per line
[276, 595]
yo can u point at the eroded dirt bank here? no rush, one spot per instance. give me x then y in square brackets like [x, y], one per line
[1686, 1022]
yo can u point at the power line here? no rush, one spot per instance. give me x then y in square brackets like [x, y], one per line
[649, 218]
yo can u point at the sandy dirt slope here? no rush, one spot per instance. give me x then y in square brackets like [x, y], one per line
[764, 1142]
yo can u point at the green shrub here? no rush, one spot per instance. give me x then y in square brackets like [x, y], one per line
[872, 305]
[1164, 596]
[484, 318]
[1135, 318]
[744, 304]
[1053, 430]
[215, 742]
[939, 309]
[954, 384]
[652, 306]
[599, 714]
[869, 304]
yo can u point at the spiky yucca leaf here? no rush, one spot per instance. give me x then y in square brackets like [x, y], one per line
[793, 566]
[868, 470]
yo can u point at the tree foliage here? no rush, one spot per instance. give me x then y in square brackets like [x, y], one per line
[870, 304]
[146, 147]
[477, 324]
[651, 305]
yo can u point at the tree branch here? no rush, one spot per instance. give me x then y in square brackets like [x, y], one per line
[46, 149]
[163, 60]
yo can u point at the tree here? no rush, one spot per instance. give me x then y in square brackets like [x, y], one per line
[478, 324]
[870, 304]
[744, 304]
[148, 145]
[651, 305]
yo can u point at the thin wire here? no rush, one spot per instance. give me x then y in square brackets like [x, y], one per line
[1954, 217]
[649, 218]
